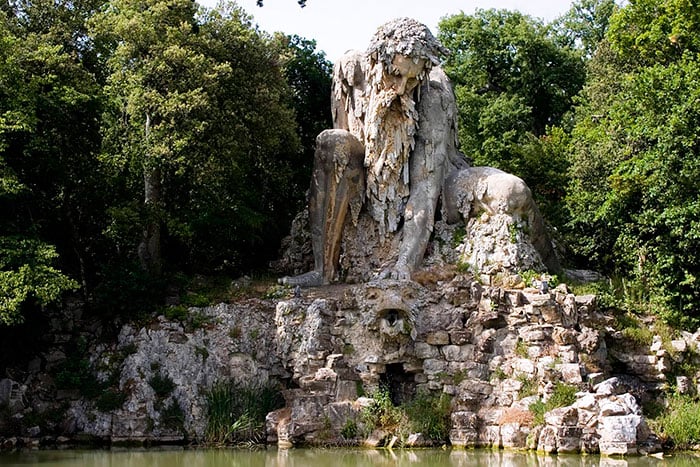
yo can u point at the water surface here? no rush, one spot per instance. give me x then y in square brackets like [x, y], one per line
[323, 458]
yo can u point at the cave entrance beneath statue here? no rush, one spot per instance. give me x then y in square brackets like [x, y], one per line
[400, 383]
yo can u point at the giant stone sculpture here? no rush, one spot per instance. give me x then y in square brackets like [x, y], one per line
[392, 159]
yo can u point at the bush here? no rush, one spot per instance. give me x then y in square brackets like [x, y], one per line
[173, 417]
[382, 414]
[236, 411]
[426, 413]
[162, 385]
[109, 400]
[430, 414]
[563, 395]
[681, 421]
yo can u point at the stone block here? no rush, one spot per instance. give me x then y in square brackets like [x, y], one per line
[562, 416]
[346, 391]
[570, 373]
[547, 441]
[438, 338]
[618, 434]
[524, 366]
[679, 345]
[568, 439]
[514, 435]
[458, 353]
[433, 366]
[460, 337]
[463, 432]
[489, 436]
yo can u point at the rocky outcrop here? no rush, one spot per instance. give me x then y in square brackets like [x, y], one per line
[494, 351]
[498, 354]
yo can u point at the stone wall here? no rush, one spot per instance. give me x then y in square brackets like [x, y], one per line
[493, 351]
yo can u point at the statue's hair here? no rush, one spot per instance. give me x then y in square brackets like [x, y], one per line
[408, 37]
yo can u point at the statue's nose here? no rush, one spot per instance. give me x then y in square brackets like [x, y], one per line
[401, 85]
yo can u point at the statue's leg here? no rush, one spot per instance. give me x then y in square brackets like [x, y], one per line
[337, 183]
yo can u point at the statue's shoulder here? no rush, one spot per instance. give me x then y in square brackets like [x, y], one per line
[439, 79]
[350, 68]
[437, 91]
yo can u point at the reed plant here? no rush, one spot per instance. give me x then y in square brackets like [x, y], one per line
[236, 411]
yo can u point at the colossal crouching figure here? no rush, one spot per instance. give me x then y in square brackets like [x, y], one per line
[392, 155]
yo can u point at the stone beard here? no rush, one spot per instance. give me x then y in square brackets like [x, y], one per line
[391, 123]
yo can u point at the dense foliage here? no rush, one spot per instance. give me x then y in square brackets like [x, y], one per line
[144, 138]
[512, 81]
[139, 138]
[635, 150]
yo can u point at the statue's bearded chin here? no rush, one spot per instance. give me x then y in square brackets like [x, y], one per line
[390, 126]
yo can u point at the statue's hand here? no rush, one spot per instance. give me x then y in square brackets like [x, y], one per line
[401, 272]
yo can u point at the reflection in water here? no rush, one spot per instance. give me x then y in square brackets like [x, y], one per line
[324, 458]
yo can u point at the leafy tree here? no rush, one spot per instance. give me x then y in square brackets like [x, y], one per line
[308, 74]
[202, 116]
[302, 3]
[42, 89]
[513, 79]
[585, 24]
[49, 103]
[635, 167]
[155, 75]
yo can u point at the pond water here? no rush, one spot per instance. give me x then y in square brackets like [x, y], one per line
[323, 458]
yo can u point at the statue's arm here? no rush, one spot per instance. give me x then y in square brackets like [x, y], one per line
[435, 147]
[348, 94]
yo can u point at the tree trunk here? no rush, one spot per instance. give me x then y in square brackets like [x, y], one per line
[149, 248]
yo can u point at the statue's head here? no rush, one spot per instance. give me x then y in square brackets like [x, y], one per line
[399, 58]
[405, 50]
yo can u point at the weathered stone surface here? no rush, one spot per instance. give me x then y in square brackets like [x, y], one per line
[438, 338]
[619, 434]
[564, 416]
[464, 429]
[514, 435]
[547, 441]
[334, 349]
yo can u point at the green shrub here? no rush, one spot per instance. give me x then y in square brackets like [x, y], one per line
[538, 409]
[236, 411]
[77, 373]
[426, 413]
[521, 349]
[681, 421]
[382, 414]
[162, 385]
[349, 430]
[196, 300]
[563, 395]
[176, 313]
[173, 417]
[633, 330]
[430, 414]
[110, 399]
[528, 386]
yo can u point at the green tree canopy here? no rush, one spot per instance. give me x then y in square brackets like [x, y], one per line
[202, 116]
[635, 155]
[513, 79]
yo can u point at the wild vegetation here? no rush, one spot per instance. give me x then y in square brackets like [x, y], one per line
[144, 140]
[236, 411]
[426, 413]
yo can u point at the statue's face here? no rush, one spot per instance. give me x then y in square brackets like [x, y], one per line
[404, 74]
